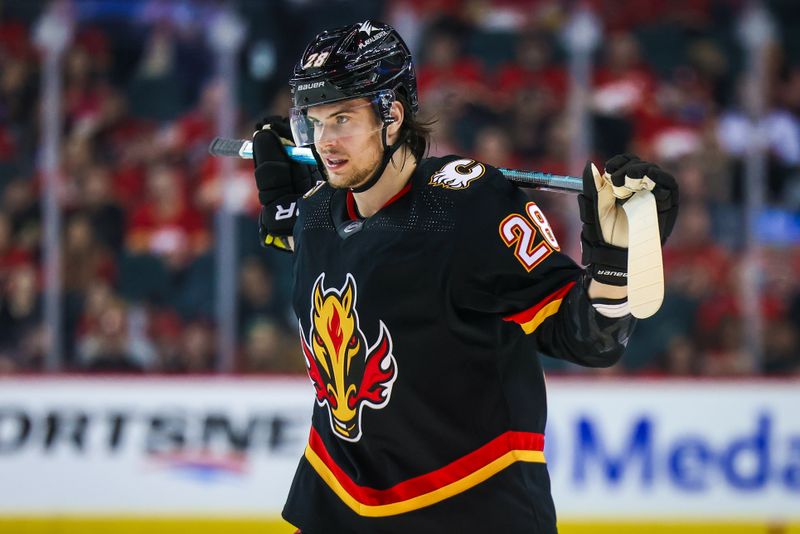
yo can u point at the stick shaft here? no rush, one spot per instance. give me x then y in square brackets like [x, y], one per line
[531, 179]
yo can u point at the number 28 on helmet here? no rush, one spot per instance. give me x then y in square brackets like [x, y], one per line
[365, 60]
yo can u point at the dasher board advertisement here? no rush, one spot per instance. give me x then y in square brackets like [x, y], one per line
[616, 449]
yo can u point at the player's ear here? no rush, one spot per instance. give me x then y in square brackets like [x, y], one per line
[398, 114]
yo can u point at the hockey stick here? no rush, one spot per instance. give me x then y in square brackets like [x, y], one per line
[645, 269]
[532, 179]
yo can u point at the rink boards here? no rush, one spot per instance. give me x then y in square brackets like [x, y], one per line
[217, 455]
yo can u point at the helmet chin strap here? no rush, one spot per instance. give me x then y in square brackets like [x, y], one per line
[388, 152]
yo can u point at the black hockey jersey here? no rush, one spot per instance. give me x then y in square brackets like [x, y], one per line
[420, 328]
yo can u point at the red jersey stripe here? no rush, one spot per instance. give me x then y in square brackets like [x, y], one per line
[526, 316]
[432, 487]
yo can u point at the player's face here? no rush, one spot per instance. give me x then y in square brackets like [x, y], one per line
[347, 136]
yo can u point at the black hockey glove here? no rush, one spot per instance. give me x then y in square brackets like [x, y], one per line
[604, 238]
[280, 181]
[627, 169]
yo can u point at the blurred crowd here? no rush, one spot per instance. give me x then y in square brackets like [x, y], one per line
[139, 193]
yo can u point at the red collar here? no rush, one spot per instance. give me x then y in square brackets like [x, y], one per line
[352, 212]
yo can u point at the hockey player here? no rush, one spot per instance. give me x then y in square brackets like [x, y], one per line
[424, 289]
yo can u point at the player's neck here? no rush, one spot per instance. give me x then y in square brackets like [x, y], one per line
[394, 178]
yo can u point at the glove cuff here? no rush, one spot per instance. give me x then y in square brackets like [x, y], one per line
[606, 263]
[278, 218]
[279, 242]
[612, 308]
[268, 239]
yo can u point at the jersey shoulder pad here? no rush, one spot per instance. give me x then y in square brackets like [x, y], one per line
[314, 208]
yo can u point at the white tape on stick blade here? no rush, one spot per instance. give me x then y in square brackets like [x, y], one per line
[645, 266]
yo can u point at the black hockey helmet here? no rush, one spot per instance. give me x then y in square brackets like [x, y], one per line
[363, 60]
[354, 61]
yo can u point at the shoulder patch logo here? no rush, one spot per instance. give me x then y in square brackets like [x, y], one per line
[458, 174]
[347, 374]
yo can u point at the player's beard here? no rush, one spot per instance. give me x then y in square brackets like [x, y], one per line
[358, 175]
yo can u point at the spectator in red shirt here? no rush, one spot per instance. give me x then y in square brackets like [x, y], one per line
[165, 224]
[190, 134]
[533, 67]
[235, 189]
[623, 86]
[447, 79]
[85, 91]
[623, 83]
[694, 264]
[10, 254]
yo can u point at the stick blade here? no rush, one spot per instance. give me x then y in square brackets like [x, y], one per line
[645, 265]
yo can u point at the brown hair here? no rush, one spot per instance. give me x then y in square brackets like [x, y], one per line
[414, 132]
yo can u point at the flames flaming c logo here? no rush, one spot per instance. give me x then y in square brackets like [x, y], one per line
[346, 374]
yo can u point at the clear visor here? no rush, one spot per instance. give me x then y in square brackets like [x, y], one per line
[338, 120]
